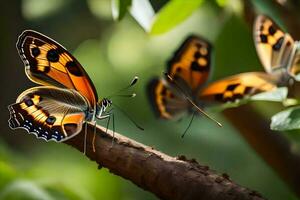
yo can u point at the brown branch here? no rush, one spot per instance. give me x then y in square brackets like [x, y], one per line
[166, 177]
[272, 146]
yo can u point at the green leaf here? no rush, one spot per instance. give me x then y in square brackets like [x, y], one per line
[222, 3]
[142, 11]
[120, 8]
[288, 119]
[172, 14]
[22, 189]
[277, 95]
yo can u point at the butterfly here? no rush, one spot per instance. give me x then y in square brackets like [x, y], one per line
[185, 87]
[67, 97]
[277, 50]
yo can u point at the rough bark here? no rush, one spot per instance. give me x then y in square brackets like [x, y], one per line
[165, 176]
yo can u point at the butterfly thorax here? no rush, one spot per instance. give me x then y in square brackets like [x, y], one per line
[102, 105]
[283, 77]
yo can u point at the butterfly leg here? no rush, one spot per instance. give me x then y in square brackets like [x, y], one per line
[107, 125]
[94, 136]
[113, 121]
[188, 127]
[85, 138]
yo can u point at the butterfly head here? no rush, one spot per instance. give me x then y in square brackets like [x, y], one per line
[102, 105]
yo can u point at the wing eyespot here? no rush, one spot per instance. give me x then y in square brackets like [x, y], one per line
[278, 44]
[197, 55]
[195, 66]
[203, 51]
[35, 52]
[50, 120]
[73, 68]
[52, 55]
[232, 87]
[28, 102]
[272, 30]
[263, 38]
[202, 62]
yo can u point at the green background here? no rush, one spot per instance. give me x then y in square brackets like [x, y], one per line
[112, 52]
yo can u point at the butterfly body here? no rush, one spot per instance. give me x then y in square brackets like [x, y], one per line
[101, 107]
[67, 98]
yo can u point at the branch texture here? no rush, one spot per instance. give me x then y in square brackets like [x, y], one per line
[166, 177]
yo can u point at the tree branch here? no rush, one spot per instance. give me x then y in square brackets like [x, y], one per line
[167, 177]
[272, 146]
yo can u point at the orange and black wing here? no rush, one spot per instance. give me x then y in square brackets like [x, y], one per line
[274, 46]
[50, 113]
[191, 62]
[49, 63]
[166, 102]
[237, 87]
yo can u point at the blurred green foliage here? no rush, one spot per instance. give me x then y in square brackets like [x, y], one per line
[112, 53]
[288, 119]
[119, 8]
[177, 11]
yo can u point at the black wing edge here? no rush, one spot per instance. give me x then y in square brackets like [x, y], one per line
[152, 97]
[17, 120]
[37, 34]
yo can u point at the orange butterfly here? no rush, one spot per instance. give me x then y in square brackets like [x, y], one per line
[187, 73]
[278, 52]
[57, 110]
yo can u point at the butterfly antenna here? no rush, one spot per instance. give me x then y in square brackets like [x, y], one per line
[132, 83]
[119, 108]
[188, 127]
[189, 100]
[126, 95]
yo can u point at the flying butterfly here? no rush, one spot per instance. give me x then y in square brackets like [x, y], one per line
[67, 98]
[184, 88]
[277, 50]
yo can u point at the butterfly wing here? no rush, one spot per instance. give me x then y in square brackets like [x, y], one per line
[274, 46]
[49, 63]
[165, 100]
[48, 112]
[294, 70]
[238, 87]
[191, 62]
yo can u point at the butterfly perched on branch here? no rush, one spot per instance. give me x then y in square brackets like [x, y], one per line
[67, 98]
